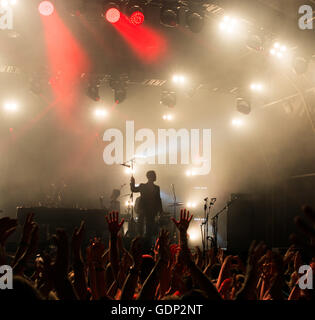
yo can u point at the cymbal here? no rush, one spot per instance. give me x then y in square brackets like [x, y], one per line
[176, 204]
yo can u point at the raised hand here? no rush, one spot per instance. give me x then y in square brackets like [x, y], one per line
[136, 252]
[7, 227]
[163, 246]
[77, 239]
[113, 224]
[28, 228]
[62, 259]
[308, 228]
[184, 221]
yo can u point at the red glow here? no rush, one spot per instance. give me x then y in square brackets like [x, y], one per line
[112, 15]
[46, 8]
[67, 62]
[137, 18]
[147, 44]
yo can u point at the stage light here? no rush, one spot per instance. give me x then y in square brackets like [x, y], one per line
[169, 16]
[10, 107]
[112, 15]
[194, 234]
[100, 113]
[195, 21]
[13, 2]
[137, 18]
[179, 79]
[278, 50]
[111, 12]
[93, 90]
[119, 88]
[168, 98]
[229, 25]
[4, 3]
[190, 173]
[120, 95]
[237, 122]
[136, 13]
[167, 117]
[46, 8]
[257, 87]
[243, 106]
[129, 203]
[191, 204]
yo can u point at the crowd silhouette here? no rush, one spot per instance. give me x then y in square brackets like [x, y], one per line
[173, 271]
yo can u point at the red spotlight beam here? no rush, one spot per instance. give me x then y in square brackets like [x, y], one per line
[146, 43]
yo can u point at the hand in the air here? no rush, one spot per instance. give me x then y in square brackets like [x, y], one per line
[113, 224]
[184, 221]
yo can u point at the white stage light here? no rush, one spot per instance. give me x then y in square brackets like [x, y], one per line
[167, 117]
[129, 203]
[237, 122]
[258, 87]
[229, 25]
[191, 205]
[4, 3]
[190, 173]
[10, 107]
[194, 235]
[100, 113]
[179, 79]
[278, 50]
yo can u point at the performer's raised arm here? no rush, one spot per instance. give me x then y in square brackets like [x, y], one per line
[133, 185]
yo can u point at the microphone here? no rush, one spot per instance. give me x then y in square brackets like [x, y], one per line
[125, 165]
[205, 199]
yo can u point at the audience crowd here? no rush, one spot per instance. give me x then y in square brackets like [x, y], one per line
[173, 271]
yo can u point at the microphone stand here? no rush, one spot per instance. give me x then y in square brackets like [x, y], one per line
[214, 224]
[205, 225]
[131, 225]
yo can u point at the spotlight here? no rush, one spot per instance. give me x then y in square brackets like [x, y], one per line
[193, 235]
[168, 117]
[179, 79]
[190, 173]
[229, 25]
[46, 8]
[168, 98]
[237, 122]
[13, 2]
[136, 14]
[129, 203]
[119, 88]
[169, 16]
[243, 106]
[10, 107]
[195, 21]
[93, 90]
[191, 204]
[258, 87]
[278, 50]
[137, 18]
[100, 113]
[111, 12]
[4, 3]
[120, 95]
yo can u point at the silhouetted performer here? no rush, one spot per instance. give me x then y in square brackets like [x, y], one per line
[149, 206]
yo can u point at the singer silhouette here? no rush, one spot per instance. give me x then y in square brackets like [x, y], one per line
[149, 206]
